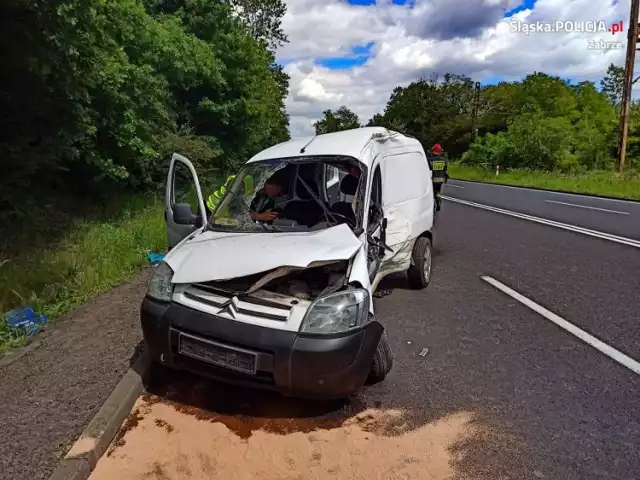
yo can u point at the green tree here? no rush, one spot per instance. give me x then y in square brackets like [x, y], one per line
[540, 142]
[595, 134]
[341, 119]
[263, 18]
[433, 111]
[548, 96]
[633, 145]
[100, 92]
[498, 105]
[611, 85]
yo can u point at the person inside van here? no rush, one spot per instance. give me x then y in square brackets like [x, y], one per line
[263, 204]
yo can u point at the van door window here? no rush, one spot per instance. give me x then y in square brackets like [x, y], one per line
[183, 190]
[375, 233]
[332, 179]
[184, 210]
[375, 203]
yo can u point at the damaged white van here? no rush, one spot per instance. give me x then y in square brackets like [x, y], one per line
[274, 288]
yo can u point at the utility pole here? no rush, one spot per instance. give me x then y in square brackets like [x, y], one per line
[632, 41]
[474, 110]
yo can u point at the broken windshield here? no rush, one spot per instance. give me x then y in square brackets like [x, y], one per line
[284, 195]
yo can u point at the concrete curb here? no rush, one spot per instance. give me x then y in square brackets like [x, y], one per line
[96, 438]
[540, 189]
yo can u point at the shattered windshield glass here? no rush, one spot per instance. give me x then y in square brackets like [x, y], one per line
[247, 194]
[290, 195]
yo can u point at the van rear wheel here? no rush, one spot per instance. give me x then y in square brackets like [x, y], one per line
[419, 273]
[382, 361]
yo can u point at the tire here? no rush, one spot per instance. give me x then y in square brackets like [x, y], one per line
[382, 362]
[419, 273]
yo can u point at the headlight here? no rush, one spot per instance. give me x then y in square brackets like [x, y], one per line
[337, 312]
[160, 286]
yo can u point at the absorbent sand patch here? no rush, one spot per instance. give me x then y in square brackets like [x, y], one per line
[168, 443]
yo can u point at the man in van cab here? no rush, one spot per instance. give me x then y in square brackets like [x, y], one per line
[438, 163]
[263, 204]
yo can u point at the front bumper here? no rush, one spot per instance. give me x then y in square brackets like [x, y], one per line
[294, 364]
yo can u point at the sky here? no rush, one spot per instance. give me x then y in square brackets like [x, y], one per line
[355, 52]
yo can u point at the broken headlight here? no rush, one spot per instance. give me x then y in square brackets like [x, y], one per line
[160, 286]
[337, 312]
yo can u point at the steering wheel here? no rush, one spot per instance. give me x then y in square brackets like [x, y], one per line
[348, 220]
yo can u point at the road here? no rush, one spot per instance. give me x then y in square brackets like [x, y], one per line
[503, 392]
[617, 217]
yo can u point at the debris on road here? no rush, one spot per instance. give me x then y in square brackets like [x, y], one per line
[171, 441]
[154, 257]
[382, 293]
[26, 320]
[424, 352]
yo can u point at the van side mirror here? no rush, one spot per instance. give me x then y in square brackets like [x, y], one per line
[183, 215]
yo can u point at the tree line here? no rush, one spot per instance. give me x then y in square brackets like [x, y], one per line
[543, 122]
[96, 94]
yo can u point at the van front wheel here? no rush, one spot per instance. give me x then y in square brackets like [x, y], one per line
[420, 271]
[382, 361]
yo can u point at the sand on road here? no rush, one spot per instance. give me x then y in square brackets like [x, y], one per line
[162, 440]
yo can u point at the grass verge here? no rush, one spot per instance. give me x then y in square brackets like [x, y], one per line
[92, 257]
[605, 183]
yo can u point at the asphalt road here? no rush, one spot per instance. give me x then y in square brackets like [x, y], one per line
[545, 404]
[617, 217]
[558, 408]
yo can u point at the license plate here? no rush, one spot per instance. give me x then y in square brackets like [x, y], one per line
[218, 354]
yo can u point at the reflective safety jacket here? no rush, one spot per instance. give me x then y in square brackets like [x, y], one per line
[439, 166]
[216, 196]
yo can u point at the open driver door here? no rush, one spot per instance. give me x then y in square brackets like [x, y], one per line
[182, 194]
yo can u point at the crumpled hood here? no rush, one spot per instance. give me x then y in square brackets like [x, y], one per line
[212, 256]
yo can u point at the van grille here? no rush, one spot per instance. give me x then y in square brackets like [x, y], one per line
[244, 304]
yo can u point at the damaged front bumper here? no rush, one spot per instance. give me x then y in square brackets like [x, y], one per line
[310, 366]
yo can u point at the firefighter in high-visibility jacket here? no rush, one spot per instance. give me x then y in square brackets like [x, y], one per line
[438, 162]
[216, 196]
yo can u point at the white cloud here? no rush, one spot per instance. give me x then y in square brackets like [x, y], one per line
[435, 36]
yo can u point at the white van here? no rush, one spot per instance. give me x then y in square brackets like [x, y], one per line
[286, 304]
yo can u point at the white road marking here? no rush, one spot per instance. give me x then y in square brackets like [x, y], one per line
[585, 231]
[586, 206]
[454, 185]
[540, 191]
[599, 345]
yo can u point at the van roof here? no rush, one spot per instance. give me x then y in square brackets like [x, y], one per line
[347, 142]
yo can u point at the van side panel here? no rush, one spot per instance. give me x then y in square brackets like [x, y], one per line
[407, 195]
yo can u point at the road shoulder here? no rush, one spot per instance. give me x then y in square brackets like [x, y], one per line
[51, 392]
[96, 438]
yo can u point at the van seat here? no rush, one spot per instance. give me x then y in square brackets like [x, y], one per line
[348, 186]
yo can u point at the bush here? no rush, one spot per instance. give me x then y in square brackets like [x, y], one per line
[489, 151]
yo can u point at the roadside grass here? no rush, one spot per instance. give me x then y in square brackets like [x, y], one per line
[605, 183]
[92, 257]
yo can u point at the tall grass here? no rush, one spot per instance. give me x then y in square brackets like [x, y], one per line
[94, 256]
[606, 183]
